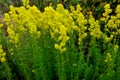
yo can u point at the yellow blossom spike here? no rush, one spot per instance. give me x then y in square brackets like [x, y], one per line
[2, 59]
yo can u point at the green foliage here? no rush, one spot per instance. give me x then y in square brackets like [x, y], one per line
[33, 57]
[4, 4]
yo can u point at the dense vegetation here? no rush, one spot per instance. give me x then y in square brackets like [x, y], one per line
[75, 40]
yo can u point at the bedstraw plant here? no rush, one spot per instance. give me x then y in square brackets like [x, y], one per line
[59, 44]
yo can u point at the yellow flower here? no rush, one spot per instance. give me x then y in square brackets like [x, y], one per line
[60, 37]
[26, 3]
[38, 34]
[84, 35]
[94, 27]
[62, 44]
[63, 50]
[57, 47]
[72, 8]
[108, 57]
[116, 47]
[118, 9]
[33, 28]
[6, 18]
[1, 50]
[0, 46]
[60, 8]
[52, 34]
[80, 41]
[1, 25]
[10, 31]
[106, 13]
[107, 6]
[78, 8]
[3, 59]
[3, 54]
[12, 8]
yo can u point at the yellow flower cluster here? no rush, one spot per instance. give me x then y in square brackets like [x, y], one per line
[106, 13]
[29, 20]
[116, 47]
[61, 24]
[2, 55]
[26, 3]
[63, 38]
[58, 22]
[94, 27]
[108, 57]
[118, 11]
[80, 22]
[21, 20]
[106, 38]
[112, 23]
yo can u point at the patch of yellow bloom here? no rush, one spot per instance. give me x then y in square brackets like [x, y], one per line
[106, 13]
[22, 20]
[108, 57]
[112, 23]
[26, 3]
[117, 21]
[94, 27]
[116, 47]
[80, 22]
[59, 23]
[2, 55]
[107, 39]
[14, 37]
[118, 11]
